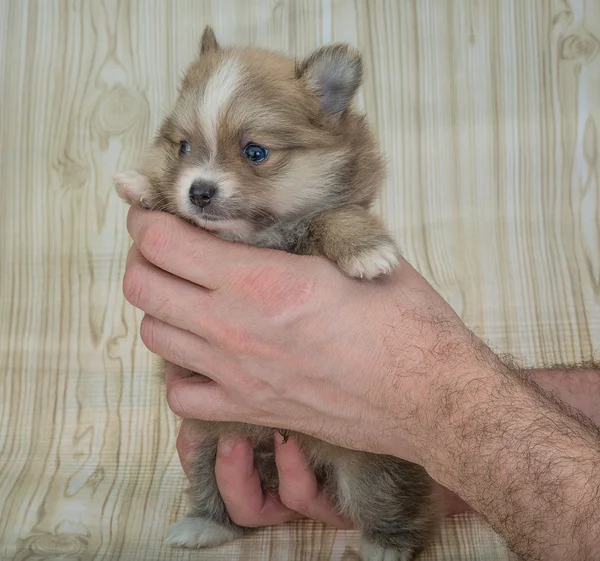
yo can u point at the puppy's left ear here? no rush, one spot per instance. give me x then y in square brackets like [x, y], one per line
[209, 41]
[334, 72]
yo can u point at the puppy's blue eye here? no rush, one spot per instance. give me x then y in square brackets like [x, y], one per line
[184, 147]
[255, 153]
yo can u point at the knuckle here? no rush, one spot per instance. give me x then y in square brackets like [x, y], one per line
[154, 241]
[243, 518]
[239, 340]
[295, 501]
[252, 383]
[148, 329]
[132, 284]
[174, 402]
[284, 389]
[157, 338]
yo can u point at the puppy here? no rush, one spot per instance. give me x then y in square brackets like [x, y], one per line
[265, 150]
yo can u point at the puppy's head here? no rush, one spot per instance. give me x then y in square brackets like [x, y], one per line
[256, 138]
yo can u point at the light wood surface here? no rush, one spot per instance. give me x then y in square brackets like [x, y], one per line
[489, 112]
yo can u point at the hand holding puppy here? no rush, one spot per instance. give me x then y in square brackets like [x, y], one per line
[290, 341]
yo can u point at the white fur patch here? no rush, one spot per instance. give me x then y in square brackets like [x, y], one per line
[221, 87]
[372, 552]
[372, 263]
[199, 532]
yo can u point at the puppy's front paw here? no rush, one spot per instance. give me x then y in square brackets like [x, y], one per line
[200, 532]
[131, 186]
[371, 263]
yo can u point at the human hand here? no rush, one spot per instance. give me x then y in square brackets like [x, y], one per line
[291, 342]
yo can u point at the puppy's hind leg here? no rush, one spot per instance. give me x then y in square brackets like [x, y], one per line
[207, 522]
[393, 503]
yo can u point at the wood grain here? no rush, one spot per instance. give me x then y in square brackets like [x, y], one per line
[489, 113]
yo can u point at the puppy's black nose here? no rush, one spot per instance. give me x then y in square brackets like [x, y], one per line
[201, 192]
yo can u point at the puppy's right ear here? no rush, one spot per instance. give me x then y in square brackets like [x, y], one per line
[208, 42]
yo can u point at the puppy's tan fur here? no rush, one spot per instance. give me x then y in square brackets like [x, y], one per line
[310, 195]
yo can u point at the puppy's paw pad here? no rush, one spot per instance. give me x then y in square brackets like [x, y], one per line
[372, 263]
[131, 186]
[199, 532]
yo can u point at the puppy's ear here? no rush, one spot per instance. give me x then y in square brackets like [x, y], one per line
[209, 41]
[334, 72]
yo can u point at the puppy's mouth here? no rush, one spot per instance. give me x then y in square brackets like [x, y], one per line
[235, 219]
[219, 224]
[204, 216]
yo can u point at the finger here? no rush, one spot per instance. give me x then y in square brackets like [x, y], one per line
[167, 297]
[182, 347]
[185, 250]
[240, 488]
[189, 440]
[298, 486]
[195, 397]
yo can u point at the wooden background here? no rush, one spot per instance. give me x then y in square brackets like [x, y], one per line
[489, 112]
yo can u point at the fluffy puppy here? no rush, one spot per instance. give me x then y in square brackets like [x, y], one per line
[269, 151]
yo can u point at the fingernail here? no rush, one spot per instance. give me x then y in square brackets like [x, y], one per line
[226, 447]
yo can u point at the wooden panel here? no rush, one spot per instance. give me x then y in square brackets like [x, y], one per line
[489, 114]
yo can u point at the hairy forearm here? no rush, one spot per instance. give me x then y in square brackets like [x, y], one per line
[523, 459]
